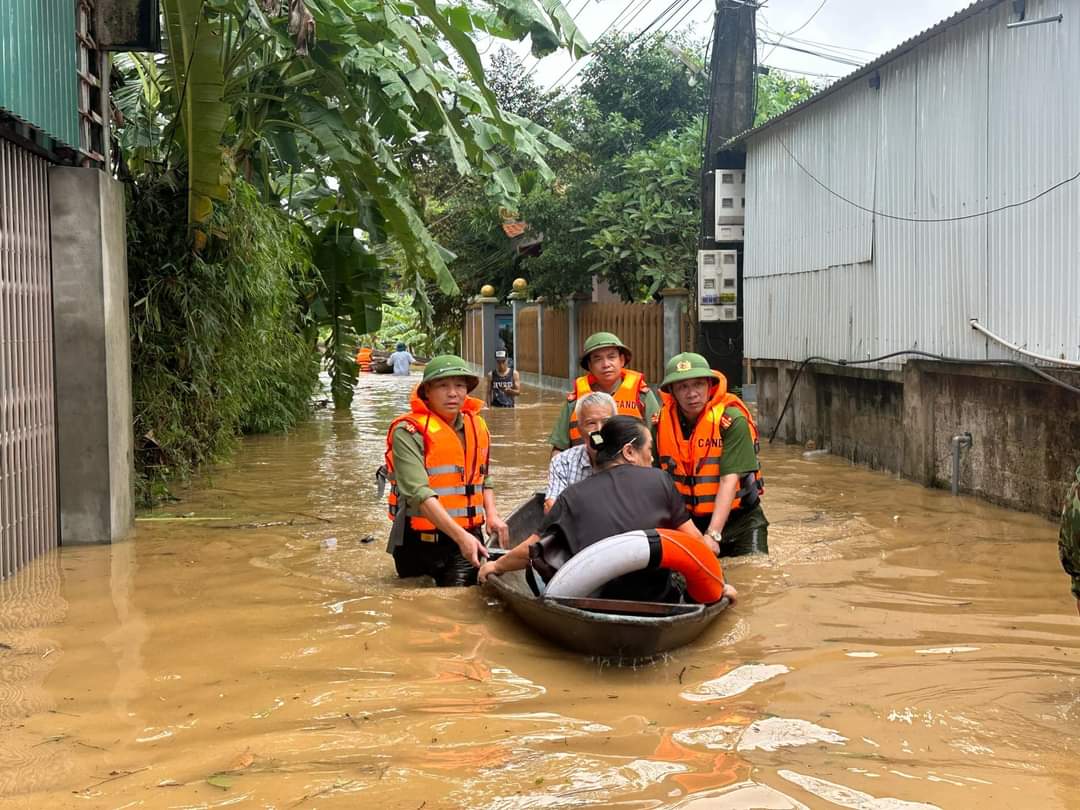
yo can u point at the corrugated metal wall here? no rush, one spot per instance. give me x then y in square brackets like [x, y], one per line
[39, 82]
[28, 502]
[978, 117]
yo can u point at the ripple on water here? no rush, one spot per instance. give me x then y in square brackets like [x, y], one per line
[739, 797]
[783, 732]
[734, 682]
[849, 797]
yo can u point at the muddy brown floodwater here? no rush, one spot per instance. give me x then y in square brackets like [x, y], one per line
[901, 648]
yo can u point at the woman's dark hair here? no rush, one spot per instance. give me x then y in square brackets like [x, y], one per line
[616, 433]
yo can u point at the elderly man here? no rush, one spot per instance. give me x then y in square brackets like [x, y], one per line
[576, 464]
[437, 457]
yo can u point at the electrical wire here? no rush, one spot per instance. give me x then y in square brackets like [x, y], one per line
[585, 59]
[783, 36]
[900, 218]
[661, 16]
[829, 57]
[694, 8]
[917, 353]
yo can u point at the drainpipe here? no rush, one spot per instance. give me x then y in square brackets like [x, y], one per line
[960, 440]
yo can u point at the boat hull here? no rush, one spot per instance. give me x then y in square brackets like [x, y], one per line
[605, 628]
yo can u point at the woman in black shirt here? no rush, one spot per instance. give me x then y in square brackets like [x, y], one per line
[625, 494]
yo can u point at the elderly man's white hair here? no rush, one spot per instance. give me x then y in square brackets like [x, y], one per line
[596, 399]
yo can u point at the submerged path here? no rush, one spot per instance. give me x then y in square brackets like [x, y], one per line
[901, 648]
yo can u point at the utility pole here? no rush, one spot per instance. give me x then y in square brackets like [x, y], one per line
[732, 74]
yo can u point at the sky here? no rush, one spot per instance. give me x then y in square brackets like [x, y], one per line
[852, 30]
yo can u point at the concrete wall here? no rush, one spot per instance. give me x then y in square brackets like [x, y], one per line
[93, 363]
[1025, 432]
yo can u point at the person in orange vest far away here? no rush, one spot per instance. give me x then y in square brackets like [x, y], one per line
[707, 442]
[437, 463]
[604, 358]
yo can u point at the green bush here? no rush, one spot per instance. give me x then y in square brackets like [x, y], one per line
[219, 343]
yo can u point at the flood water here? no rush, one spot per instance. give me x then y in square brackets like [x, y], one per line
[900, 648]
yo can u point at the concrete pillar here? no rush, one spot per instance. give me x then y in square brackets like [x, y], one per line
[574, 334]
[540, 337]
[489, 332]
[93, 362]
[675, 301]
[917, 460]
[516, 302]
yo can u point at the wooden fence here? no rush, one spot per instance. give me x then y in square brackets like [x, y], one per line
[556, 336]
[639, 326]
[526, 345]
[472, 338]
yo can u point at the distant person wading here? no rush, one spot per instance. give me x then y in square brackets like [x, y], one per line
[503, 385]
[401, 360]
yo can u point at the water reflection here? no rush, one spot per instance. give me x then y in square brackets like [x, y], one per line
[899, 649]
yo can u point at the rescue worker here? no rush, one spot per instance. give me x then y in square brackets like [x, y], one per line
[503, 384]
[604, 358]
[1069, 536]
[437, 460]
[707, 441]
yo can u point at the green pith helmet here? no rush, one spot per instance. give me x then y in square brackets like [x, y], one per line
[603, 340]
[448, 365]
[686, 366]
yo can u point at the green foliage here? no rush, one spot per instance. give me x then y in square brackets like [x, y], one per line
[401, 323]
[349, 301]
[335, 124]
[195, 59]
[645, 82]
[778, 91]
[220, 343]
[643, 236]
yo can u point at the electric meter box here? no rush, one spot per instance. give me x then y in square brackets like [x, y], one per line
[730, 187]
[718, 285]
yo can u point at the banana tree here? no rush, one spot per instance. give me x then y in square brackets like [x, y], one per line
[343, 94]
[196, 47]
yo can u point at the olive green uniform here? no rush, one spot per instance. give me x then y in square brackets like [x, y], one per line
[1069, 535]
[560, 434]
[418, 553]
[746, 528]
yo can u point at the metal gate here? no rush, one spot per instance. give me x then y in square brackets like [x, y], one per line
[28, 499]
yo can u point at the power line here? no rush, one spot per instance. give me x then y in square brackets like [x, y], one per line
[603, 33]
[803, 72]
[900, 218]
[657, 19]
[783, 36]
[829, 57]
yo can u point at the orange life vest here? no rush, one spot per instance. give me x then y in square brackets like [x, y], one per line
[694, 463]
[629, 398]
[456, 472]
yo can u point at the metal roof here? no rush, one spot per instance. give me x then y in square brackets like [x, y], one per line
[869, 68]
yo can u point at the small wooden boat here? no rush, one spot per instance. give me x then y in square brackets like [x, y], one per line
[607, 628]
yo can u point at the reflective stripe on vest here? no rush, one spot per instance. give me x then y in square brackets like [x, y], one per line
[688, 460]
[455, 470]
[627, 396]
